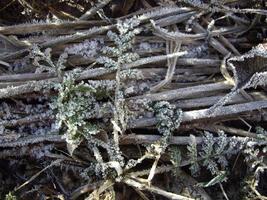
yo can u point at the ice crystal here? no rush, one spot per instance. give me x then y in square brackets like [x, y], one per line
[249, 71]
[87, 49]
[43, 61]
[168, 117]
[123, 41]
[255, 149]
[74, 103]
[213, 153]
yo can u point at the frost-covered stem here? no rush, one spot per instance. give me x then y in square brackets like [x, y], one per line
[26, 77]
[153, 169]
[201, 34]
[197, 28]
[24, 141]
[124, 140]
[97, 154]
[91, 73]
[149, 139]
[216, 107]
[159, 12]
[10, 84]
[117, 106]
[26, 120]
[94, 9]
[211, 100]
[61, 40]
[12, 91]
[223, 8]
[153, 59]
[36, 86]
[141, 186]
[175, 19]
[182, 93]
[235, 131]
[77, 36]
[33, 86]
[204, 114]
[23, 29]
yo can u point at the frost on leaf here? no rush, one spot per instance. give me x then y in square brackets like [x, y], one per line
[74, 104]
[213, 153]
[87, 49]
[249, 70]
[44, 63]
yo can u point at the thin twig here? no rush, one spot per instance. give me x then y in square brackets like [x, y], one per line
[141, 186]
[94, 9]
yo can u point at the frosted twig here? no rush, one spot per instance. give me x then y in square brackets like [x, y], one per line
[153, 59]
[141, 186]
[61, 40]
[56, 162]
[204, 113]
[170, 48]
[33, 140]
[34, 86]
[94, 9]
[77, 36]
[175, 19]
[184, 92]
[23, 29]
[213, 42]
[190, 37]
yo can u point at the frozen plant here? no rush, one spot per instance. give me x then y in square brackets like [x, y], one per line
[168, 117]
[255, 149]
[86, 49]
[129, 74]
[43, 61]
[249, 71]
[123, 44]
[145, 46]
[113, 59]
[213, 153]
[74, 103]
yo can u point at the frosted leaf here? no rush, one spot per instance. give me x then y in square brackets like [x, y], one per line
[43, 60]
[128, 24]
[213, 153]
[87, 49]
[249, 70]
[168, 117]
